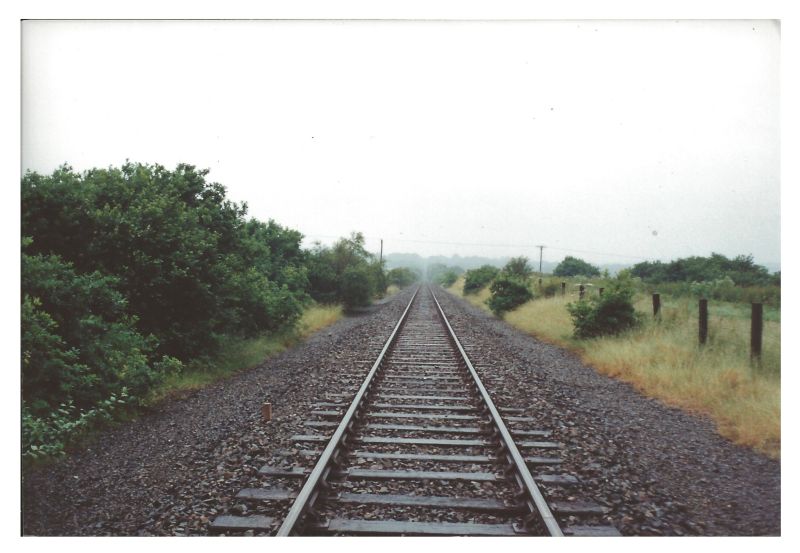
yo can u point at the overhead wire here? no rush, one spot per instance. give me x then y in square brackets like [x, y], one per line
[487, 245]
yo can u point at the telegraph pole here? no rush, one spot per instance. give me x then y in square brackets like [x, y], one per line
[541, 248]
[381, 258]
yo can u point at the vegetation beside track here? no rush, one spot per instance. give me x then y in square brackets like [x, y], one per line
[238, 354]
[139, 279]
[663, 359]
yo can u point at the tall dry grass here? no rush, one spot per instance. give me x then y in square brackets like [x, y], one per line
[478, 299]
[663, 359]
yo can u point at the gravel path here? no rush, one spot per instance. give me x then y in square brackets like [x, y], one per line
[659, 470]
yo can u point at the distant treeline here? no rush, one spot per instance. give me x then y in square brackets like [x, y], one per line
[129, 273]
[741, 270]
[611, 311]
[566, 267]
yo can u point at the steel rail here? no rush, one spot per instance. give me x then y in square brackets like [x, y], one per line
[309, 493]
[536, 501]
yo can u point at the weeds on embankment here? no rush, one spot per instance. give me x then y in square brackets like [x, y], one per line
[662, 359]
[237, 354]
[391, 290]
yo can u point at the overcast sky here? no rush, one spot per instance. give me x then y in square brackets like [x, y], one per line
[613, 141]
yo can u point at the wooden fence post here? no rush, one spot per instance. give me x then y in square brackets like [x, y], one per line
[703, 321]
[656, 304]
[581, 290]
[266, 412]
[563, 288]
[756, 329]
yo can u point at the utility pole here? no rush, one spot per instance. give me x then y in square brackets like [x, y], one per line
[541, 248]
[381, 258]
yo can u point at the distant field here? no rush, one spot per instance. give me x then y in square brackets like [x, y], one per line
[663, 359]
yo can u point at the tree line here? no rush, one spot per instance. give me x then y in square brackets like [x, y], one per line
[130, 273]
[738, 279]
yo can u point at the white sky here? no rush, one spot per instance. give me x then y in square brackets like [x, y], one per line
[646, 139]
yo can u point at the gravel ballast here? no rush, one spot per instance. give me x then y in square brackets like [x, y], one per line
[658, 470]
[662, 471]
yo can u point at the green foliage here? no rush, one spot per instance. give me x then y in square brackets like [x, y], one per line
[402, 276]
[447, 278]
[508, 293]
[550, 288]
[476, 279]
[720, 290]
[518, 267]
[610, 313]
[442, 274]
[741, 270]
[345, 273]
[357, 286]
[572, 266]
[78, 342]
[715, 277]
[129, 273]
[49, 367]
[184, 258]
[47, 435]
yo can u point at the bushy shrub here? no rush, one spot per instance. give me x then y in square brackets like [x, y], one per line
[401, 276]
[443, 274]
[611, 313]
[712, 288]
[572, 266]
[184, 258]
[345, 272]
[82, 358]
[507, 294]
[769, 295]
[447, 278]
[78, 341]
[47, 435]
[550, 288]
[518, 267]
[126, 273]
[476, 279]
[741, 270]
[357, 286]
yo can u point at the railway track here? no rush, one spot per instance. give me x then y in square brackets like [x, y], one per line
[416, 447]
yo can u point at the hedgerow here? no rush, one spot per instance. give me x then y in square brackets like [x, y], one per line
[132, 273]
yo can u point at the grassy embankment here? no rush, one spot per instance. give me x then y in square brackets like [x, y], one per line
[391, 290]
[663, 359]
[239, 354]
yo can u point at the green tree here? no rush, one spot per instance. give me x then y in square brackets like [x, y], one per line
[508, 293]
[345, 273]
[357, 286]
[741, 270]
[435, 272]
[476, 279]
[402, 276]
[447, 278]
[572, 266]
[518, 267]
[184, 258]
[78, 341]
